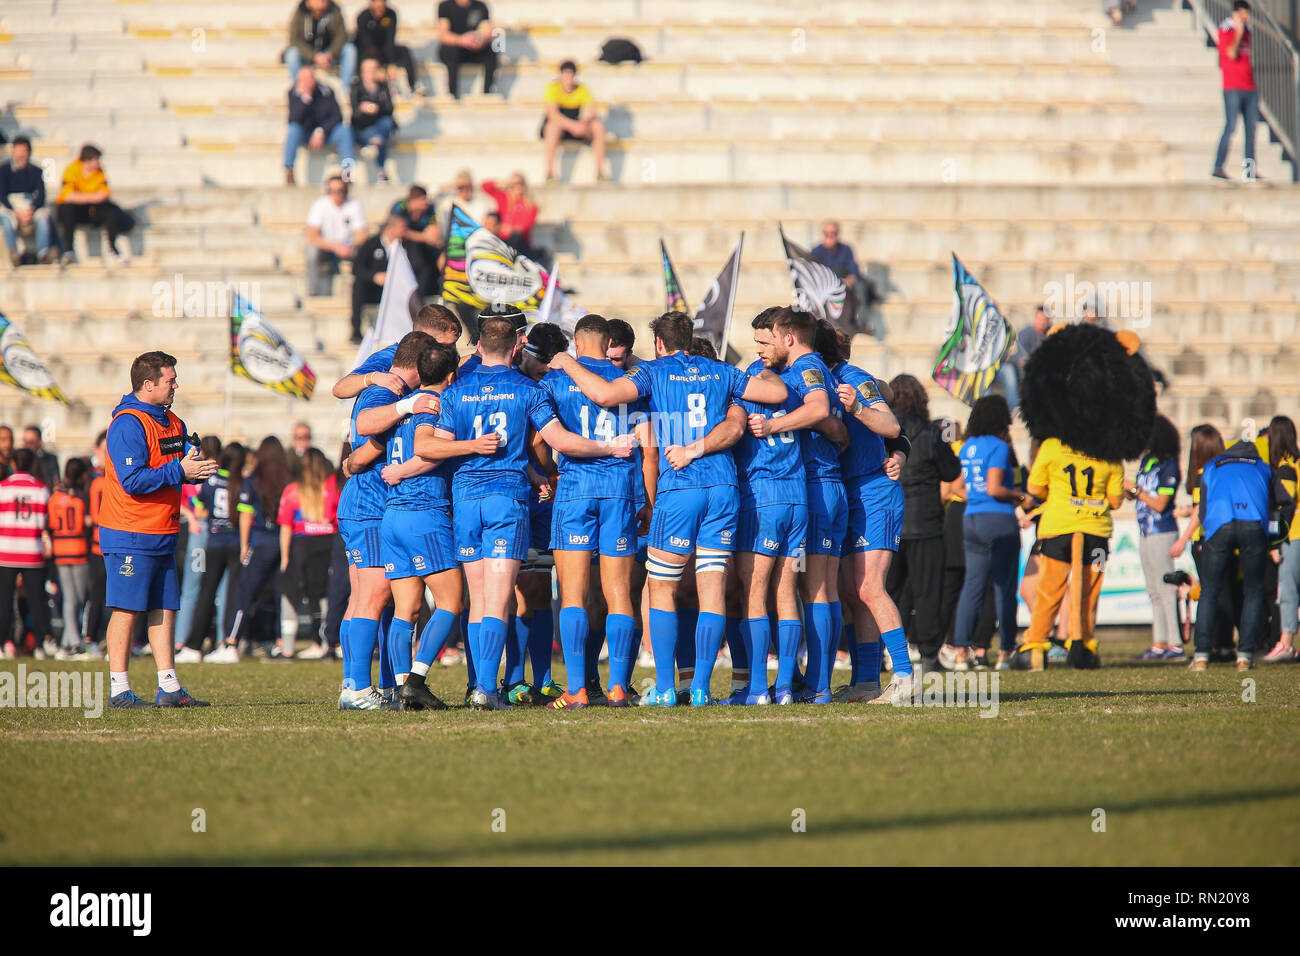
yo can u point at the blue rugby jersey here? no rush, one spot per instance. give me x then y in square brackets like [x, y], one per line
[365, 495]
[866, 452]
[381, 361]
[419, 492]
[808, 373]
[689, 396]
[607, 476]
[494, 398]
[770, 469]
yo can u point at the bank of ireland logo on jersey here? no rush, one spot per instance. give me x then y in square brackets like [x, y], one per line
[127, 570]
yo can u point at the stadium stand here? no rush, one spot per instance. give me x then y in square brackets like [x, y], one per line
[1028, 137]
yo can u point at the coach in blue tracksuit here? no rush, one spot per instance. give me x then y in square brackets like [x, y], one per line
[1237, 493]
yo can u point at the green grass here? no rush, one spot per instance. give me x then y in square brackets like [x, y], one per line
[1186, 771]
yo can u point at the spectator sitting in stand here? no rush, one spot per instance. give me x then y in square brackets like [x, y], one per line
[370, 270]
[83, 201]
[372, 112]
[318, 36]
[423, 237]
[838, 257]
[1027, 339]
[571, 115]
[22, 205]
[314, 120]
[336, 226]
[518, 213]
[376, 37]
[465, 36]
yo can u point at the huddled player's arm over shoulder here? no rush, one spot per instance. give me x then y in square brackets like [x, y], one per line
[645, 437]
[436, 444]
[543, 460]
[395, 474]
[766, 388]
[721, 437]
[575, 446]
[815, 409]
[621, 391]
[362, 457]
[866, 405]
[354, 383]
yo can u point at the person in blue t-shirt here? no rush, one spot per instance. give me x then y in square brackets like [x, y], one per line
[1152, 494]
[360, 515]
[435, 320]
[990, 529]
[491, 519]
[695, 503]
[813, 414]
[595, 513]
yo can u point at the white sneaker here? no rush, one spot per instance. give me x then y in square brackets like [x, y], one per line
[51, 649]
[856, 693]
[899, 690]
[913, 654]
[451, 658]
[842, 664]
[948, 659]
[367, 699]
[313, 653]
[645, 659]
[187, 655]
[225, 654]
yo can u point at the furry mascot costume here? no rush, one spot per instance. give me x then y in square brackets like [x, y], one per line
[1088, 388]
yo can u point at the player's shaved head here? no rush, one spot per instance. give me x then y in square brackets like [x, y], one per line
[410, 348]
[801, 325]
[440, 322]
[497, 336]
[675, 330]
[437, 363]
[596, 326]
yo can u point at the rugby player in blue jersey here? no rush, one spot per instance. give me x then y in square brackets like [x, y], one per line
[360, 513]
[695, 502]
[490, 518]
[871, 465]
[595, 513]
[416, 540]
[434, 320]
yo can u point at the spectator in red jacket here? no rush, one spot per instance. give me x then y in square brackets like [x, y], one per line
[518, 213]
[1239, 93]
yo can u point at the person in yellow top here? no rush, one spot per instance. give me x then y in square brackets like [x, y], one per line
[1285, 459]
[571, 115]
[84, 201]
[1078, 495]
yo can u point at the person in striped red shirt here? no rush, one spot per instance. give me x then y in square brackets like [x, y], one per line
[24, 546]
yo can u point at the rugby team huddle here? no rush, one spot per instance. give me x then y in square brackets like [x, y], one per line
[680, 495]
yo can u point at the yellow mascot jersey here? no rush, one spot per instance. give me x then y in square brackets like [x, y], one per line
[1077, 488]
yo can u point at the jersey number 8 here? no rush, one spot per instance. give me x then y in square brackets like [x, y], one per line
[696, 417]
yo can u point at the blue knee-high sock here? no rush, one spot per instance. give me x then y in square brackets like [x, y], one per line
[591, 650]
[687, 625]
[434, 636]
[817, 633]
[832, 646]
[386, 678]
[541, 638]
[364, 634]
[736, 644]
[867, 662]
[345, 644]
[851, 642]
[516, 649]
[620, 631]
[399, 645]
[788, 635]
[492, 643]
[896, 641]
[574, 627]
[663, 642]
[757, 635]
[471, 652]
[710, 629]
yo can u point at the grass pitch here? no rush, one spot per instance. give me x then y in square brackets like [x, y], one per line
[1186, 771]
